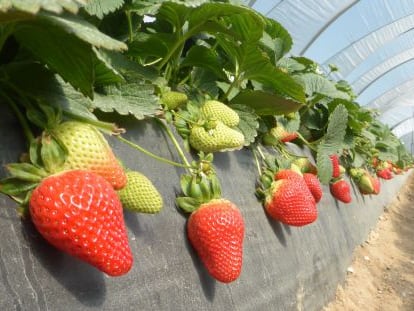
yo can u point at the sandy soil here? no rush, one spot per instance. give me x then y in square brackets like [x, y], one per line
[381, 277]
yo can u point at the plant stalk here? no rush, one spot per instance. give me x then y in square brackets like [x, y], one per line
[175, 142]
[150, 154]
[22, 120]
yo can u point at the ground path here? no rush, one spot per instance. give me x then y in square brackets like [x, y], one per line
[381, 277]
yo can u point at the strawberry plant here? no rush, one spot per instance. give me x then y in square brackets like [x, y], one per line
[215, 72]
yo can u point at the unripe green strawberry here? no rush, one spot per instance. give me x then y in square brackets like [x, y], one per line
[218, 137]
[79, 213]
[89, 150]
[306, 166]
[173, 99]
[368, 184]
[216, 231]
[213, 109]
[140, 195]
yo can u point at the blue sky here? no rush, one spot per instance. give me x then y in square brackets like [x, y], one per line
[361, 19]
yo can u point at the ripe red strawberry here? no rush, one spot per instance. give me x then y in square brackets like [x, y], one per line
[89, 150]
[341, 190]
[290, 201]
[287, 174]
[289, 136]
[336, 170]
[216, 231]
[385, 173]
[314, 186]
[79, 213]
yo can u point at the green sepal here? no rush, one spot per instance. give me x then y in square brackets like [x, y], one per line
[185, 183]
[34, 152]
[187, 204]
[206, 190]
[269, 140]
[26, 171]
[195, 189]
[13, 186]
[53, 153]
[168, 116]
[266, 181]
[215, 186]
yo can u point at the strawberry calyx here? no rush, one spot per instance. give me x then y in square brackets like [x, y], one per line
[200, 185]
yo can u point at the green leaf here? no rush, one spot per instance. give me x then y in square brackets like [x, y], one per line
[155, 45]
[276, 38]
[130, 70]
[100, 8]
[209, 11]
[250, 63]
[247, 26]
[317, 84]
[34, 6]
[105, 73]
[83, 30]
[248, 124]
[290, 65]
[331, 143]
[290, 125]
[48, 88]
[62, 52]
[201, 56]
[265, 103]
[129, 98]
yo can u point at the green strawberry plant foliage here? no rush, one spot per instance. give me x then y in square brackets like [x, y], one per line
[331, 143]
[65, 60]
[100, 8]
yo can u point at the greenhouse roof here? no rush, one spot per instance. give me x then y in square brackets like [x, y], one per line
[370, 41]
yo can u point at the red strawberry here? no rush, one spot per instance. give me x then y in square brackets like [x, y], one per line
[281, 134]
[341, 190]
[79, 213]
[291, 202]
[287, 174]
[289, 136]
[216, 231]
[336, 170]
[89, 150]
[377, 185]
[385, 173]
[314, 186]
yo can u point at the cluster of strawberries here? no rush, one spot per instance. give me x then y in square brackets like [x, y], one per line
[78, 207]
[290, 194]
[338, 186]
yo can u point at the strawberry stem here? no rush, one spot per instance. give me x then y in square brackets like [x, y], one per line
[22, 120]
[108, 128]
[175, 142]
[311, 146]
[150, 154]
[256, 160]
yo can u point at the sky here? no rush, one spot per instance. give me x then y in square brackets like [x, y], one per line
[357, 22]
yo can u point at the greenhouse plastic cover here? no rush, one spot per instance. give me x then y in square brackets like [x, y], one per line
[370, 41]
